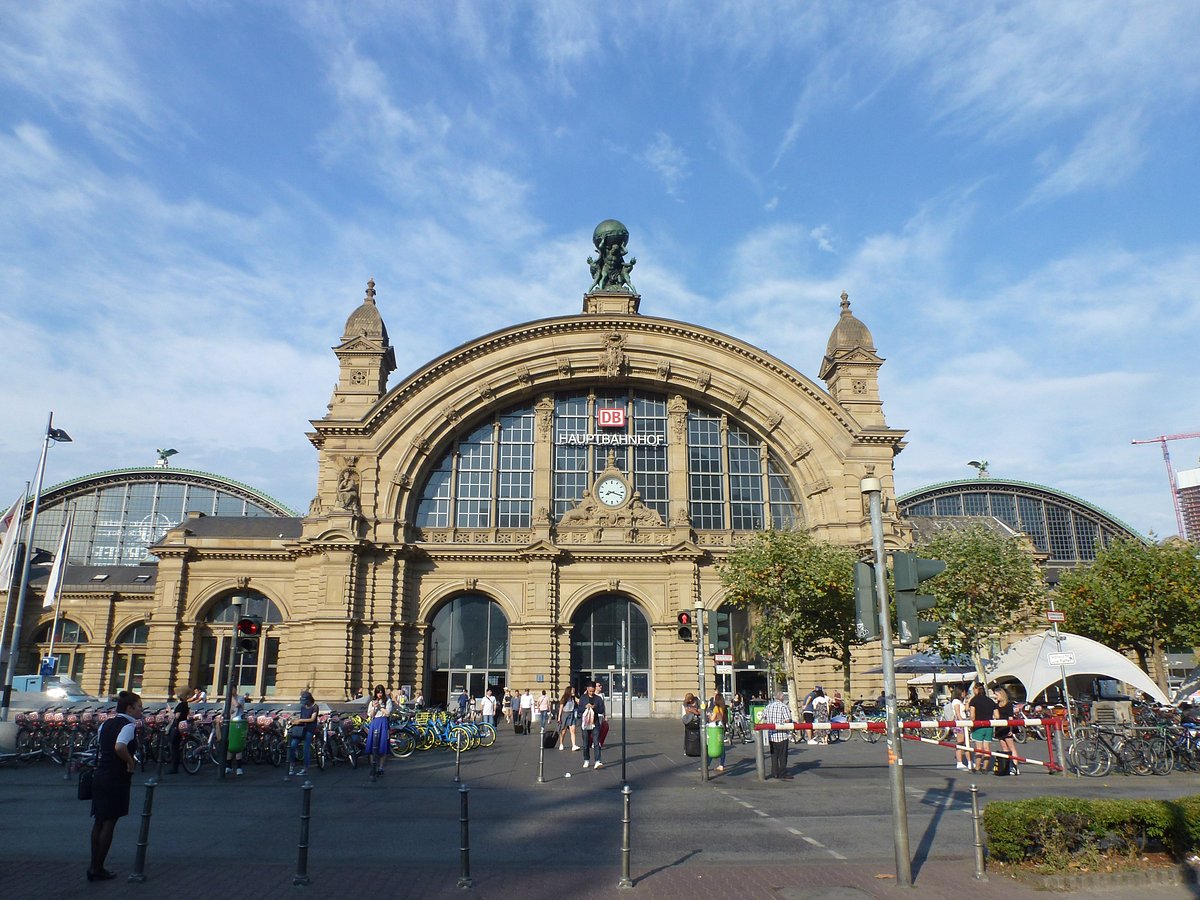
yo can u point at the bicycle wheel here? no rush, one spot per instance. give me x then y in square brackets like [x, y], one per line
[57, 746]
[1090, 758]
[274, 751]
[487, 735]
[1134, 755]
[193, 756]
[1020, 734]
[403, 743]
[1162, 757]
[459, 739]
[28, 747]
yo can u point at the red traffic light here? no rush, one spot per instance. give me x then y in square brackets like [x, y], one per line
[685, 618]
[249, 627]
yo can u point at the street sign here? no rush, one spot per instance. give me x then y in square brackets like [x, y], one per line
[724, 669]
[723, 657]
[1055, 615]
[1060, 659]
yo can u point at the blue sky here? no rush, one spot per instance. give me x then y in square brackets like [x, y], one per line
[195, 194]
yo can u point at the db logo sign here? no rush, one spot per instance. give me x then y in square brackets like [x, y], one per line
[610, 417]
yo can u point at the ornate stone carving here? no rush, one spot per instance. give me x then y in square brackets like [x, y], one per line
[422, 446]
[680, 516]
[315, 507]
[819, 486]
[487, 393]
[544, 409]
[564, 367]
[358, 376]
[614, 583]
[452, 415]
[610, 271]
[774, 420]
[664, 369]
[541, 516]
[523, 376]
[677, 411]
[741, 396]
[704, 379]
[801, 450]
[859, 386]
[612, 360]
[243, 582]
[470, 583]
[402, 480]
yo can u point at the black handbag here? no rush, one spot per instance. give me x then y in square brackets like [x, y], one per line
[86, 775]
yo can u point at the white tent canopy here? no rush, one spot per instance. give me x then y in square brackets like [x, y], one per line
[1028, 662]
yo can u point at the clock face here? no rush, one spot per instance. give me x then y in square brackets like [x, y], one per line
[611, 491]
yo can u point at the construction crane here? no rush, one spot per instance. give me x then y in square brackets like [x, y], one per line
[1162, 439]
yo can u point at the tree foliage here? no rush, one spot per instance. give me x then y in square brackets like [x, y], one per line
[801, 591]
[1136, 596]
[988, 590]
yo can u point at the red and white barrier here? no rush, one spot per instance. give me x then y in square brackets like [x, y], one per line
[880, 726]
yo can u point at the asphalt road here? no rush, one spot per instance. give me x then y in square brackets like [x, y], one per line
[831, 827]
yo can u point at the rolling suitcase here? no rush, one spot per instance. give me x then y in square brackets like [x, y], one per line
[550, 738]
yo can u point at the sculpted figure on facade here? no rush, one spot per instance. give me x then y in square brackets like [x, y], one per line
[583, 513]
[612, 360]
[347, 492]
[610, 270]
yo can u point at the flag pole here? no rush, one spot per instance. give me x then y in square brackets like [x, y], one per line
[52, 434]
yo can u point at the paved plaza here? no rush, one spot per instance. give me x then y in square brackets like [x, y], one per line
[827, 833]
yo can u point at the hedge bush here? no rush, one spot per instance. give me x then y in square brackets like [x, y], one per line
[1055, 831]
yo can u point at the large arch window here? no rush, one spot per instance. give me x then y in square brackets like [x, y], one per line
[486, 480]
[129, 660]
[70, 644]
[1065, 532]
[254, 673]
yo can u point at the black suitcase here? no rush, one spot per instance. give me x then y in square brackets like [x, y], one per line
[517, 729]
[549, 739]
[1002, 765]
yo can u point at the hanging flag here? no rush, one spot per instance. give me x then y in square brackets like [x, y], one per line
[8, 549]
[58, 570]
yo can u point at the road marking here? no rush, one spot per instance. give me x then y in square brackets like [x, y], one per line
[796, 832]
[763, 814]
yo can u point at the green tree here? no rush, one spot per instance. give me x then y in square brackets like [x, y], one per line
[801, 594]
[1136, 596]
[987, 591]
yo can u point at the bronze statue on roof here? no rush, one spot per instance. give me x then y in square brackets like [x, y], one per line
[610, 271]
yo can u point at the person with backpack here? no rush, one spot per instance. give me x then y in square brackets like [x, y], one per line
[591, 718]
[982, 709]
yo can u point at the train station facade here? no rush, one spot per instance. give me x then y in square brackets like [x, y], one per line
[531, 509]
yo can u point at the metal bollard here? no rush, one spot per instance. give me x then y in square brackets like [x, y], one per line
[760, 762]
[626, 881]
[457, 764]
[139, 861]
[541, 755]
[464, 852]
[979, 873]
[301, 876]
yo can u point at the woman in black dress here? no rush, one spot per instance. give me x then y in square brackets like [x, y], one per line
[114, 775]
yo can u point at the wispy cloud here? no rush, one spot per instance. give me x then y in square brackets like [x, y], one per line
[668, 161]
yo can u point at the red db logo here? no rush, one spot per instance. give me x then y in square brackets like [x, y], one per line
[610, 417]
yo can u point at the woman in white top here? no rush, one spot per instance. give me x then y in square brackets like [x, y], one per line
[566, 718]
[378, 712]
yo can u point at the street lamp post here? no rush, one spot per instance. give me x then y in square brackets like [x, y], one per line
[236, 602]
[60, 436]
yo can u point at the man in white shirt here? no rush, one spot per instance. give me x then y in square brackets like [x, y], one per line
[488, 708]
[526, 711]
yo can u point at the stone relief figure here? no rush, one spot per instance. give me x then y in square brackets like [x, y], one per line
[347, 492]
[640, 515]
[610, 271]
[583, 513]
[314, 507]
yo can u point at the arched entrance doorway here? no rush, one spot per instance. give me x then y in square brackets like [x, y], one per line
[601, 649]
[468, 649]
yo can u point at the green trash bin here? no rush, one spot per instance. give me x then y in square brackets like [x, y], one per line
[756, 710]
[237, 736]
[716, 739]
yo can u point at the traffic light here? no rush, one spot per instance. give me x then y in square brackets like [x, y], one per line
[866, 606]
[685, 625]
[909, 570]
[718, 632]
[249, 628]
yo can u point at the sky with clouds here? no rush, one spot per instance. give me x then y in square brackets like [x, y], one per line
[195, 194]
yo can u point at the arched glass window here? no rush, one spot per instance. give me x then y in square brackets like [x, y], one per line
[254, 673]
[470, 630]
[70, 641]
[596, 635]
[487, 479]
[129, 660]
